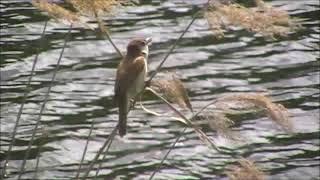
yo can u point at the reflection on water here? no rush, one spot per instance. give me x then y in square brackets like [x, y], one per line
[288, 69]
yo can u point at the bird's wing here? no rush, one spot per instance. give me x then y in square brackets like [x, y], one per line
[127, 73]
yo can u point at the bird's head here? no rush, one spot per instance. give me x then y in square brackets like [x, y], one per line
[138, 47]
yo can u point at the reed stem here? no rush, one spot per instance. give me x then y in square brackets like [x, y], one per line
[95, 159]
[167, 154]
[104, 156]
[37, 163]
[172, 48]
[15, 129]
[22, 168]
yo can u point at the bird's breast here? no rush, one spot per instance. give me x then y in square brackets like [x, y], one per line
[138, 84]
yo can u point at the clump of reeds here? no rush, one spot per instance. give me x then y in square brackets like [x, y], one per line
[55, 11]
[277, 112]
[173, 90]
[246, 170]
[263, 18]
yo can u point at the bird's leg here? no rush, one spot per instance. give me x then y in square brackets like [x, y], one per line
[132, 103]
[147, 83]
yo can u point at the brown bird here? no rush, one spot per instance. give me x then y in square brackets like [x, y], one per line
[130, 80]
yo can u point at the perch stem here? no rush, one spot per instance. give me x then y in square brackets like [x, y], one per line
[95, 159]
[85, 150]
[104, 156]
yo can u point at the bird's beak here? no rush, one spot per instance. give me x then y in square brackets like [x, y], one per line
[148, 40]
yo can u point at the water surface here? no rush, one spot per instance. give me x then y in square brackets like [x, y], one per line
[288, 69]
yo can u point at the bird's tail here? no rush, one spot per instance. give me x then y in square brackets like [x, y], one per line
[123, 110]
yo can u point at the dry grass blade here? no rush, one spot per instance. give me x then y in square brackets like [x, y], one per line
[263, 19]
[246, 170]
[173, 90]
[277, 112]
[55, 11]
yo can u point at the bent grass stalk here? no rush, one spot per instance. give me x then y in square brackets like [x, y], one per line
[22, 168]
[276, 112]
[179, 136]
[15, 129]
[107, 34]
[200, 133]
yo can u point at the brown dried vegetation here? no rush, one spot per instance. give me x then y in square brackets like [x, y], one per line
[277, 112]
[219, 122]
[95, 7]
[246, 170]
[55, 11]
[173, 90]
[263, 19]
[84, 7]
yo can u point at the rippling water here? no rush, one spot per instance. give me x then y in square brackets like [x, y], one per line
[288, 69]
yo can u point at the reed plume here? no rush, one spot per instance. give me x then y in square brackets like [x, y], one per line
[217, 115]
[55, 11]
[219, 122]
[96, 7]
[173, 90]
[263, 19]
[246, 170]
[277, 112]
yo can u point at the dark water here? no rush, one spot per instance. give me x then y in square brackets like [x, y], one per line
[288, 69]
